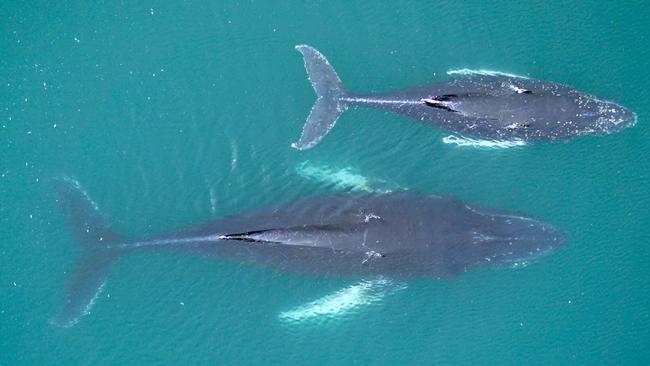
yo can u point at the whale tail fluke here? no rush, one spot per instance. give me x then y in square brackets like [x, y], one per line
[330, 101]
[97, 253]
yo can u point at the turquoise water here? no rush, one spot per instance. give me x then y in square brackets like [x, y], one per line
[171, 113]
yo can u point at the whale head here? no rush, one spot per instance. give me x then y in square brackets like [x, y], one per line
[531, 109]
[499, 238]
[595, 116]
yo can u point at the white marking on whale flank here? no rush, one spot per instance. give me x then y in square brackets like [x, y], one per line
[483, 72]
[381, 101]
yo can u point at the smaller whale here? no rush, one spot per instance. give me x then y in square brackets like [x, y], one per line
[489, 106]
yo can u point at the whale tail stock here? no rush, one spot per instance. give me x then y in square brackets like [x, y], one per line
[330, 101]
[96, 254]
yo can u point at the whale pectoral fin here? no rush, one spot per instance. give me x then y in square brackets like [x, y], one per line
[343, 302]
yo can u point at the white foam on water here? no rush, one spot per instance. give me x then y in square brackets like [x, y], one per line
[488, 144]
[342, 302]
[483, 72]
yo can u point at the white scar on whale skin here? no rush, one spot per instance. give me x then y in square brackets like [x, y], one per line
[381, 101]
[486, 144]
[342, 302]
[483, 72]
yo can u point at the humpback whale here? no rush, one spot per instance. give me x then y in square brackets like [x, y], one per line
[481, 105]
[372, 237]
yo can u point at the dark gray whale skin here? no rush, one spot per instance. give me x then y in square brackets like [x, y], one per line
[397, 235]
[484, 106]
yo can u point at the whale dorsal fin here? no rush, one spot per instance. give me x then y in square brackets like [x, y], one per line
[444, 102]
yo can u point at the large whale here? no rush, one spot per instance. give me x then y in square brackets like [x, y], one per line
[481, 105]
[395, 235]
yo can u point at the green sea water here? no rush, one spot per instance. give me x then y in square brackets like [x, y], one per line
[170, 113]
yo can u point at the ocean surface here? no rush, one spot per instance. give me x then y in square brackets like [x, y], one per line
[170, 113]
